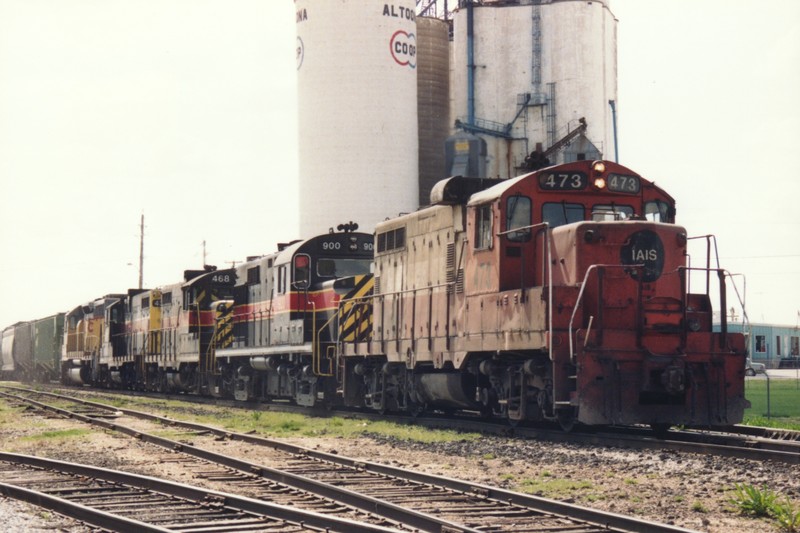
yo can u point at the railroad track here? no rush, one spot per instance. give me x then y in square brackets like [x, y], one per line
[766, 433]
[427, 502]
[742, 442]
[119, 501]
[760, 444]
[215, 468]
[737, 444]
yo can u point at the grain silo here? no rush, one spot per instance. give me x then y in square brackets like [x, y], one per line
[433, 101]
[357, 99]
[534, 79]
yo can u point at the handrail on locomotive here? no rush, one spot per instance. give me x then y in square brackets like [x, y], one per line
[589, 271]
[712, 240]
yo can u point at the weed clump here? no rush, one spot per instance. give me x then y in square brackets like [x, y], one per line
[765, 503]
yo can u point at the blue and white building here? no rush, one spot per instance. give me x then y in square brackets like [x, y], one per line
[774, 345]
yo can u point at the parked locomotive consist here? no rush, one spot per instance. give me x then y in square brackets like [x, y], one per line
[219, 332]
[562, 294]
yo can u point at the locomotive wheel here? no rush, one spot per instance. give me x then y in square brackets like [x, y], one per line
[566, 418]
[660, 430]
[416, 409]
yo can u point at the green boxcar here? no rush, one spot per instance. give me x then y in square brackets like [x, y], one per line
[48, 335]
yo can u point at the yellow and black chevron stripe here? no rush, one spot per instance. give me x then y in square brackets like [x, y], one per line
[223, 336]
[355, 311]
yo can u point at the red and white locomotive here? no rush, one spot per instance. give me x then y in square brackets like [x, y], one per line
[558, 295]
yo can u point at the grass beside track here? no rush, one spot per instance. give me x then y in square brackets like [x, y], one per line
[13, 431]
[775, 403]
[282, 425]
[782, 411]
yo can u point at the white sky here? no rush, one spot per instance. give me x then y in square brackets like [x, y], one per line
[185, 110]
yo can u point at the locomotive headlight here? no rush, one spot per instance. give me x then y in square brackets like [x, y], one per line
[599, 167]
[600, 183]
[694, 324]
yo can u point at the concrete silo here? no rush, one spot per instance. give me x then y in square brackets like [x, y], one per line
[526, 72]
[357, 99]
[433, 101]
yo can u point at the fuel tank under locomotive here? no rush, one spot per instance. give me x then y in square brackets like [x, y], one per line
[450, 390]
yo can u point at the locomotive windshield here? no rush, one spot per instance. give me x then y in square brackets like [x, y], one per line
[558, 214]
[518, 215]
[342, 268]
[603, 212]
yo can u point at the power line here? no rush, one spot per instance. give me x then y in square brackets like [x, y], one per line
[759, 256]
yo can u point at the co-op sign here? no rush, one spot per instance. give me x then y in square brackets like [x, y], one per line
[402, 45]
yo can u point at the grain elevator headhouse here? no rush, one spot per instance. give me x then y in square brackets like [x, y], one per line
[536, 79]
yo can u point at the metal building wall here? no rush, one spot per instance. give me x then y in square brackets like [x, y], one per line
[538, 68]
[763, 343]
[357, 111]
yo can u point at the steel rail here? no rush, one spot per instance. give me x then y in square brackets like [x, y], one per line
[409, 517]
[533, 503]
[171, 488]
[769, 444]
[789, 435]
[77, 511]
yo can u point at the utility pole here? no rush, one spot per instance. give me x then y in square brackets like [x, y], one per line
[204, 254]
[141, 251]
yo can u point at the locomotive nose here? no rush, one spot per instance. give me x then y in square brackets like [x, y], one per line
[646, 249]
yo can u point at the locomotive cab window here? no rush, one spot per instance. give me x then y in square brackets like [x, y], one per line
[116, 314]
[601, 212]
[558, 214]
[281, 279]
[188, 298]
[657, 211]
[302, 271]
[518, 215]
[254, 275]
[483, 227]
